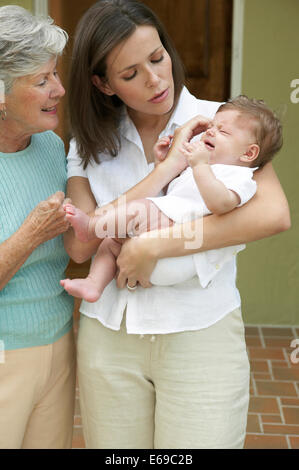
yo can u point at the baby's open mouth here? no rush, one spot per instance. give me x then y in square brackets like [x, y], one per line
[209, 145]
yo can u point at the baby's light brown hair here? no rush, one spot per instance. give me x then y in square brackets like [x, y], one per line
[267, 128]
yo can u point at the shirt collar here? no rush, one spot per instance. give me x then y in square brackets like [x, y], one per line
[185, 109]
[127, 128]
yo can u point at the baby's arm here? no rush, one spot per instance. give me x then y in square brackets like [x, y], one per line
[217, 197]
[161, 148]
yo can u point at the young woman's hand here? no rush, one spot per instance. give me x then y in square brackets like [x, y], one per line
[191, 128]
[135, 262]
[175, 161]
[197, 125]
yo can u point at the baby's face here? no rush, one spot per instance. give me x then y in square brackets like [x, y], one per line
[228, 138]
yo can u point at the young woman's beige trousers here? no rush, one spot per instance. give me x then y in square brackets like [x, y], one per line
[183, 391]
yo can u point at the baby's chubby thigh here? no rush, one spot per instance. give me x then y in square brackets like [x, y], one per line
[146, 217]
[171, 271]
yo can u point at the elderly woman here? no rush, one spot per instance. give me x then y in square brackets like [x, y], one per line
[37, 375]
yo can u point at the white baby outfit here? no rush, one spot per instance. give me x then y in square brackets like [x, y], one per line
[183, 202]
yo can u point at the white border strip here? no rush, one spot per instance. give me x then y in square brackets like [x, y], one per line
[269, 325]
[237, 48]
[41, 7]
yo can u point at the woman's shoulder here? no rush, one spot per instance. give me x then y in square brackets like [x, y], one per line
[49, 138]
[50, 144]
[73, 156]
[208, 108]
[191, 105]
[53, 144]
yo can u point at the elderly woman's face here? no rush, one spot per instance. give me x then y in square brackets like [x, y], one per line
[32, 103]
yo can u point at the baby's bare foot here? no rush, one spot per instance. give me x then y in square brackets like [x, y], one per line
[85, 289]
[79, 221]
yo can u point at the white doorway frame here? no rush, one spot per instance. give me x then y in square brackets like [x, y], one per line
[41, 7]
[237, 48]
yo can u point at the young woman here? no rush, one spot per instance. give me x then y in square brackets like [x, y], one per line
[164, 367]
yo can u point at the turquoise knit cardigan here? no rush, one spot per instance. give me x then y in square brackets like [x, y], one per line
[34, 309]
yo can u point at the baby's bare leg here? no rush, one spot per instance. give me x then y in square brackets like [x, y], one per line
[102, 271]
[146, 217]
[80, 222]
[130, 219]
[133, 218]
[103, 224]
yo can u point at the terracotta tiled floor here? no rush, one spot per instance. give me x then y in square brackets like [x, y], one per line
[273, 419]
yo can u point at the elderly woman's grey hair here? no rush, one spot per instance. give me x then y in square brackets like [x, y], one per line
[26, 43]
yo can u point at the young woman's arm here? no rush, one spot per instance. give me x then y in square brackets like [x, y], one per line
[78, 190]
[172, 166]
[266, 214]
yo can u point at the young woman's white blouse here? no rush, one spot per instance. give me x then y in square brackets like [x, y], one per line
[185, 306]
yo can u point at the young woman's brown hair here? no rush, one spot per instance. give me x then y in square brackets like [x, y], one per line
[94, 116]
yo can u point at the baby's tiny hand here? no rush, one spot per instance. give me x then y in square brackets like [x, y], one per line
[196, 153]
[161, 148]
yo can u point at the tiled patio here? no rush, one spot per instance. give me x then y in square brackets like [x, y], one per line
[273, 419]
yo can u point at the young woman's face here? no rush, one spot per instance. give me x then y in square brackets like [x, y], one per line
[139, 72]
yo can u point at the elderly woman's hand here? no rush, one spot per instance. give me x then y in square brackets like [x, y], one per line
[136, 262]
[47, 220]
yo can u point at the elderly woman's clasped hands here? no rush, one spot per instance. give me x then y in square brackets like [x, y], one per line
[48, 218]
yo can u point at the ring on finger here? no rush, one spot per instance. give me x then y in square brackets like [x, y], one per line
[131, 288]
